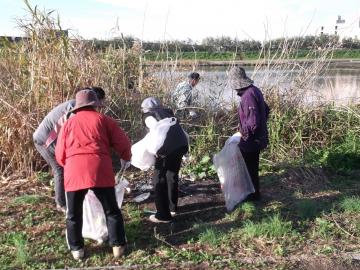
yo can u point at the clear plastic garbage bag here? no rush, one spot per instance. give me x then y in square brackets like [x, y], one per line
[232, 172]
[94, 221]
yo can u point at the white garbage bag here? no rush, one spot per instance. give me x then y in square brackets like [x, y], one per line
[144, 151]
[232, 172]
[157, 135]
[141, 158]
[94, 222]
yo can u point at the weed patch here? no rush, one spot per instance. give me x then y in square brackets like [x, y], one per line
[26, 199]
[324, 228]
[271, 227]
[351, 205]
[211, 236]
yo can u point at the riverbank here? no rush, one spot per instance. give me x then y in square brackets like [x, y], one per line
[252, 62]
[251, 57]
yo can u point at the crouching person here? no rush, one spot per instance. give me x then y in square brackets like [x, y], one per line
[168, 160]
[83, 149]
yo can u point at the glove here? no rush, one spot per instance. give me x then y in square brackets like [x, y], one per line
[193, 114]
[125, 164]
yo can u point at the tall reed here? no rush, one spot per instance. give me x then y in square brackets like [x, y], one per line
[46, 69]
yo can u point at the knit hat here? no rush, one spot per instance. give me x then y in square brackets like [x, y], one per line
[150, 103]
[238, 78]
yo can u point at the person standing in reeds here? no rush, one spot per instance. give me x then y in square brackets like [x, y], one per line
[253, 115]
[182, 96]
[168, 160]
[45, 137]
[84, 150]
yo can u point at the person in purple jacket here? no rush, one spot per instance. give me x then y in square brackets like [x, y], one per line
[253, 115]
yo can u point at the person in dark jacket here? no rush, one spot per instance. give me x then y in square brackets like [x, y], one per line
[253, 115]
[168, 160]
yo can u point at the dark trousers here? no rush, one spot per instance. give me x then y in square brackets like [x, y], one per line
[252, 163]
[74, 217]
[48, 153]
[166, 182]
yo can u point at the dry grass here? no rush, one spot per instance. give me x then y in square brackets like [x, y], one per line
[46, 69]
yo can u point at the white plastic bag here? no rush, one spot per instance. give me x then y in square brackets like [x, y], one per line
[94, 221]
[144, 151]
[141, 158]
[233, 174]
[94, 224]
[157, 135]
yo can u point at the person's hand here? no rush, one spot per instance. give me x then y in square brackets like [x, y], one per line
[193, 114]
[125, 164]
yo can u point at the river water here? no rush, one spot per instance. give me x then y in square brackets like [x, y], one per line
[338, 83]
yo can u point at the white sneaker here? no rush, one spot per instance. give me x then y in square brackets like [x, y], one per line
[152, 218]
[173, 214]
[61, 209]
[119, 251]
[78, 254]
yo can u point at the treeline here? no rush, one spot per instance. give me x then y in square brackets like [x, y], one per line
[228, 44]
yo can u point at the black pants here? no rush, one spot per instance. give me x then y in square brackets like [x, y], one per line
[48, 153]
[166, 182]
[74, 217]
[252, 163]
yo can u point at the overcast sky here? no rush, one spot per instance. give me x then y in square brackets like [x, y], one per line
[190, 19]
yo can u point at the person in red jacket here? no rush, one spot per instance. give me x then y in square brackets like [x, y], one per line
[83, 149]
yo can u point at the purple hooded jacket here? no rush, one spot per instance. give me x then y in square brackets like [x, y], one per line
[253, 115]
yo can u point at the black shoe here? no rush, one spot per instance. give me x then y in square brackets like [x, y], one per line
[253, 197]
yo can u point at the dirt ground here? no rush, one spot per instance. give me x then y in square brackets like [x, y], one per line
[201, 204]
[200, 201]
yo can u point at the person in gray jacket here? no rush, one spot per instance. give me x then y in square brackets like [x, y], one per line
[182, 96]
[45, 137]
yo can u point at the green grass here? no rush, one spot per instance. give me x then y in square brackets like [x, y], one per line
[43, 177]
[211, 236]
[324, 228]
[351, 205]
[19, 244]
[26, 199]
[134, 226]
[245, 210]
[270, 227]
[341, 156]
[248, 209]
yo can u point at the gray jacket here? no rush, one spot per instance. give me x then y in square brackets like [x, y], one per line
[182, 95]
[41, 134]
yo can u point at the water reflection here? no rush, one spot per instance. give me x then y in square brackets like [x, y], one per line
[340, 83]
